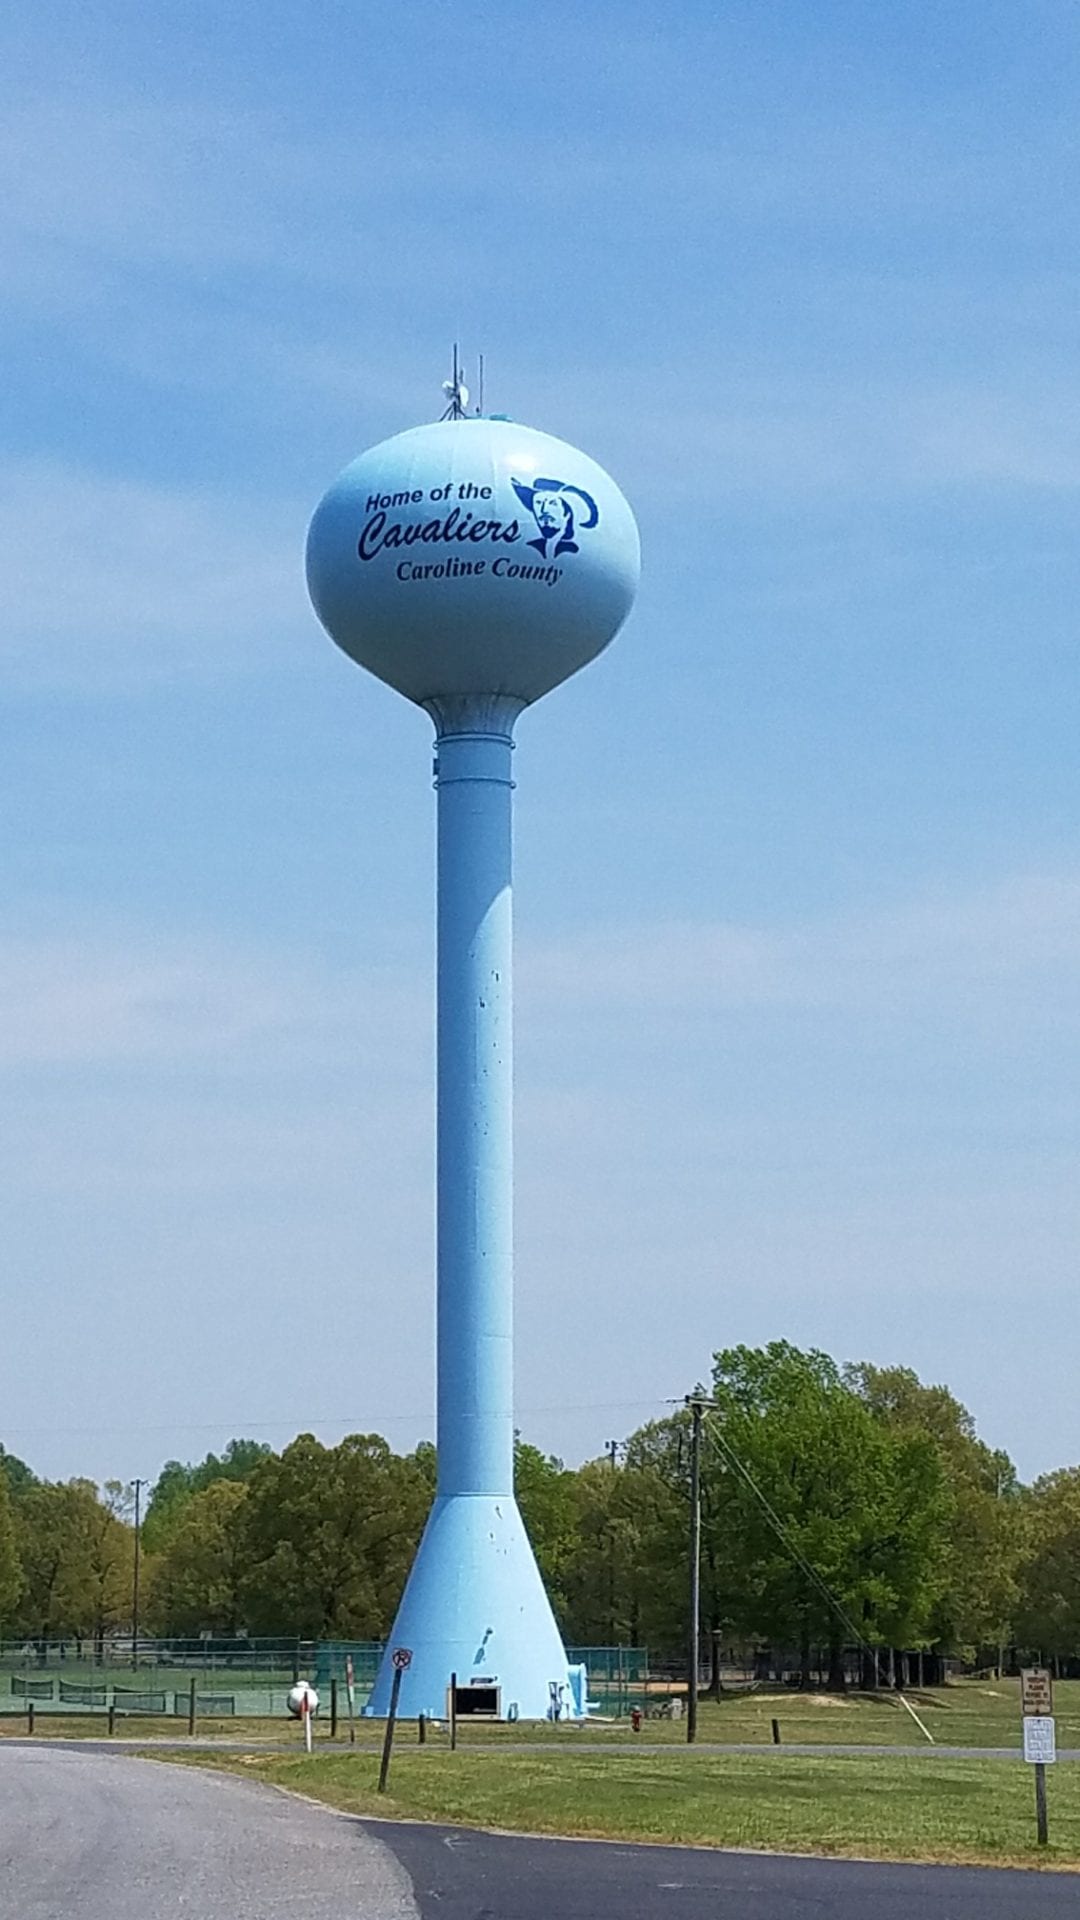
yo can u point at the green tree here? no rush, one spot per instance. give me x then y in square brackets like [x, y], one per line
[76, 1557]
[196, 1581]
[15, 1472]
[1048, 1597]
[978, 1588]
[180, 1480]
[866, 1508]
[545, 1494]
[54, 1561]
[11, 1575]
[625, 1579]
[110, 1557]
[661, 1451]
[426, 1461]
[329, 1535]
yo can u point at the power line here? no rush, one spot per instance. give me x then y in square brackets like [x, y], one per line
[300, 1422]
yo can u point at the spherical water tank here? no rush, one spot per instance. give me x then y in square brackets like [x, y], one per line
[473, 556]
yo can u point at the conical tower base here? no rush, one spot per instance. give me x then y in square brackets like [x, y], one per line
[475, 1606]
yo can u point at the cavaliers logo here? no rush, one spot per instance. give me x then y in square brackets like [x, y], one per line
[560, 511]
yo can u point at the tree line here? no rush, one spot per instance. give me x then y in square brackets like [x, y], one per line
[837, 1502]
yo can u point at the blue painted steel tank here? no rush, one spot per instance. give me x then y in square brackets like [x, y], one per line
[473, 556]
[473, 565]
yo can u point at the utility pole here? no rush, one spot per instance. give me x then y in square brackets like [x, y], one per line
[139, 1485]
[695, 1573]
[612, 1451]
[1001, 1649]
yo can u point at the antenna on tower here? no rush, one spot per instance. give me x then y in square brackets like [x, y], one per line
[457, 393]
[480, 384]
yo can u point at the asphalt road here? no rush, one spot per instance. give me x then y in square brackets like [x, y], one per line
[182, 1743]
[95, 1837]
[461, 1875]
[89, 1836]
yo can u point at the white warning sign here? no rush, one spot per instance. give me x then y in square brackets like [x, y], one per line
[1040, 1746]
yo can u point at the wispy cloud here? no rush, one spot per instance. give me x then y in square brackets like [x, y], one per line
[173, 184]
[65, 1003]
[111, 582]
[157, 230]
[724, 434]
[964, 950]
[134, 1000]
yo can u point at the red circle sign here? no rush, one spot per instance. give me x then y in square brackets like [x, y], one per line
[402, 1658]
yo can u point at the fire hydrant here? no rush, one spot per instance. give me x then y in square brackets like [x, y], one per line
[635, 1719]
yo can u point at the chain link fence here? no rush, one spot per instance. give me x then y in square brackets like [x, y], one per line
[222, 1679]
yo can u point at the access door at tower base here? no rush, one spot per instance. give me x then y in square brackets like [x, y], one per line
[477, 1699]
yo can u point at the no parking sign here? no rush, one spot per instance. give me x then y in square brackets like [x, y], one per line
[400, 1660]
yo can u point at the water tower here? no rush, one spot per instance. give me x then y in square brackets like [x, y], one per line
[473, 564]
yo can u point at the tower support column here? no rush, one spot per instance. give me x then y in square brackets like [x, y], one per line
[475, 1110]
[474, 1604]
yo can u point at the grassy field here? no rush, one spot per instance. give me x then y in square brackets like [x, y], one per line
[876, 1806]
[157, 1726]
[969, 1713]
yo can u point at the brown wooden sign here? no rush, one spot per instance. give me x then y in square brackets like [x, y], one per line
[1036, 1691]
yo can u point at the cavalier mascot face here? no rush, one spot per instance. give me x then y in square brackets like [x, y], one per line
[558, 519]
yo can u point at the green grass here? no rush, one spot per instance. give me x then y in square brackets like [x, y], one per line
[969, 1713]
[877, 1806]
[166, 1726]
[94, 1726]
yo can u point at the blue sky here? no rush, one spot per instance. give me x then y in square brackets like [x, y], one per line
[798, 880]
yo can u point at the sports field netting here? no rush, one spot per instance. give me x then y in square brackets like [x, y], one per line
[237, 1678]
